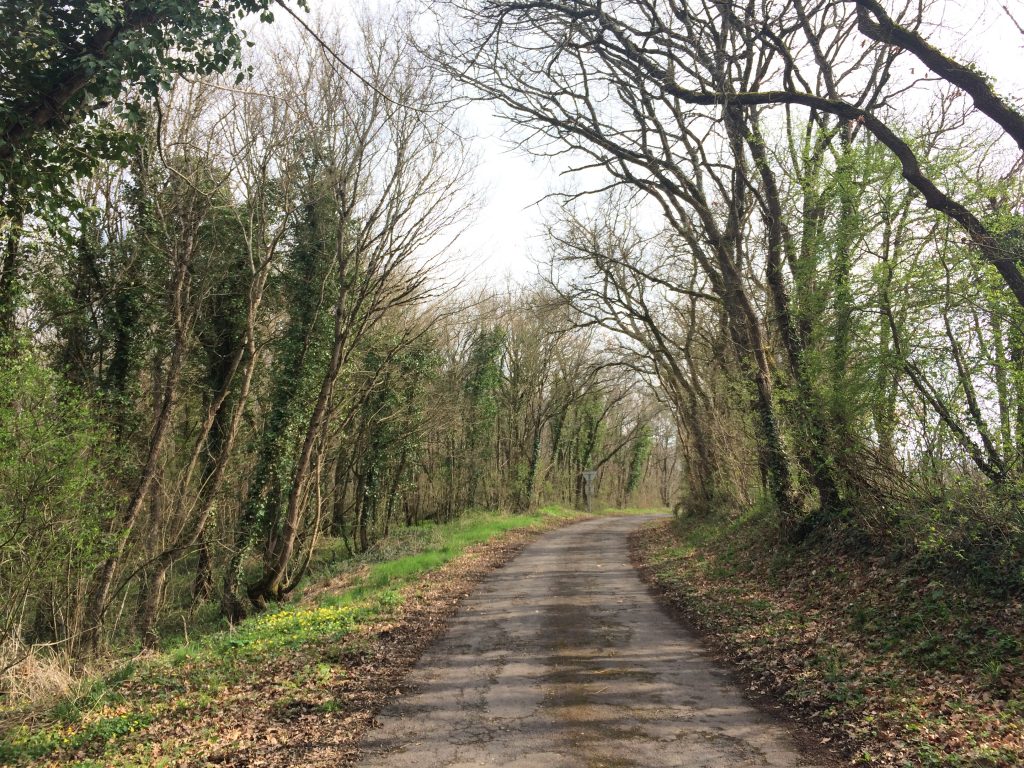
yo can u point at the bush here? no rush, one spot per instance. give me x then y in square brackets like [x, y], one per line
[54, 503]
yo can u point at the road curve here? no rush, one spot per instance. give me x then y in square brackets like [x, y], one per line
[563, 659]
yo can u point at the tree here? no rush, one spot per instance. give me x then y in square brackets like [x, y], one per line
[77, 80]
[383, 187]
[661, 48]
[67, 60]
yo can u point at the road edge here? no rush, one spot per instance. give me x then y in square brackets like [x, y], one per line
[804, 731]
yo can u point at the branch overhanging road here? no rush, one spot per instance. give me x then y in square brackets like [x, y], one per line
[563, 659]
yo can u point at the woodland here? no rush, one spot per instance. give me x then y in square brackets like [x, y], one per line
[786, 281]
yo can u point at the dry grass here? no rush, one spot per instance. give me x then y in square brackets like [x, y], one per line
[35, 677]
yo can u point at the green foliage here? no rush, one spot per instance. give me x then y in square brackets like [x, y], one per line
[975, 535]
[65, 60]
[640, 452]
[55, 499]
[481, 381]
[399, 373]
[584, 430]
[300, 356]
[25, 742]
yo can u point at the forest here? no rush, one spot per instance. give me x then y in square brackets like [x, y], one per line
[230, 340]
[780, 279]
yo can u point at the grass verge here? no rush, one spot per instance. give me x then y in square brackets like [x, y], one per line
[294, 686]
[891, 664]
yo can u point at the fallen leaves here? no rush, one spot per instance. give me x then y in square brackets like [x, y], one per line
[889, 666]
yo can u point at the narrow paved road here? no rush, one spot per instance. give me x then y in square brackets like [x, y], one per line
[563, 659]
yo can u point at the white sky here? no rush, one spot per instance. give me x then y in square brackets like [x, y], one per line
[507, 231]
[506, 235]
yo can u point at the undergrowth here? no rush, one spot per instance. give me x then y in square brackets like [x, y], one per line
[107, 715]
[898, 661]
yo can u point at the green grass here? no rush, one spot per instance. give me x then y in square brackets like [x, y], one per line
[99, 725]
[431, 546]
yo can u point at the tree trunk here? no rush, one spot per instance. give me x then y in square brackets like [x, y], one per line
[10, 268]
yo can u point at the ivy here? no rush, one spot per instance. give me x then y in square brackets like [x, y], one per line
[63, 63]
[638, 457]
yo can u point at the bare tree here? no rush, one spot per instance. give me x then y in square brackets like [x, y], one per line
[391, 174]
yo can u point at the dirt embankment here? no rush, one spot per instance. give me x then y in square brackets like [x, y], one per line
[888, 664]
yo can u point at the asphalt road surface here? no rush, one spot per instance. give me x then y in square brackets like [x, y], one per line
[563, 659]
